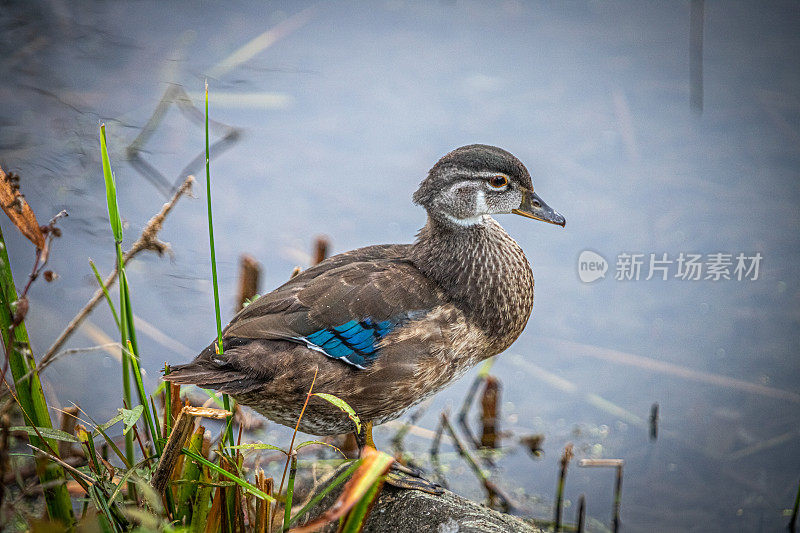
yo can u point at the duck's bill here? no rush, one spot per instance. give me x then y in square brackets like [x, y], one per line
[534, 207]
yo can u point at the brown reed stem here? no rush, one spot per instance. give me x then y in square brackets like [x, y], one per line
[566, 457]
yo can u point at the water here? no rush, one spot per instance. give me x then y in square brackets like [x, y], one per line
[341, 117]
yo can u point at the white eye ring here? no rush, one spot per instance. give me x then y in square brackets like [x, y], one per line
[498, 182]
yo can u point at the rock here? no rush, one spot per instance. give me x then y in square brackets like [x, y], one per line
[401, 510]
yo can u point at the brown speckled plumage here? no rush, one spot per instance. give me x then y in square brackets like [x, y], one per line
[484, 273]
[461, 293]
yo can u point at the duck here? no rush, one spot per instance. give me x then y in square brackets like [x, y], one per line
[386, 326]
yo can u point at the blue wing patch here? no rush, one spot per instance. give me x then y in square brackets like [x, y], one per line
[353, 342]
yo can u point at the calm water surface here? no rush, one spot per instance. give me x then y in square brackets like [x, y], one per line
[341, 116]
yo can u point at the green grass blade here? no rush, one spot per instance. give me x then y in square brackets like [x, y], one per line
[319, 442]
[358, 515]
[257, 446]
[226, 402]
[129, 322]
[167, 388]
[213, 395]
[101, 429]
[101, 504]
[89, 449]
[126, 366]
[116, 229]
[148, 416]
[486, 367]
[202, 504]
[217, 314]
[125, 318]
[287, 507]
[191, 474]
[111, 188]
[105, 426]
[30, 395]
[123, 480]
[156, 425]
[341, 478]
[130, 417]
[793, 520]
[252, 489]
[48, 433]
[105, 292]
[343, 405]
[371, 469]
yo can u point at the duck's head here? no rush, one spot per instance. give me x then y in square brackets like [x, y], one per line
[476, 181]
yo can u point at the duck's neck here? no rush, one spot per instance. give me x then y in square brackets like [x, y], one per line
[482, 270]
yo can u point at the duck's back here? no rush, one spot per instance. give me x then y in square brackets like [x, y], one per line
[370, 285]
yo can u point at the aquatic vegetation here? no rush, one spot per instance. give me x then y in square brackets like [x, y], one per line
[175, 479]
[171, 473]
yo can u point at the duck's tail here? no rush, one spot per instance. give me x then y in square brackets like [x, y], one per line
[210, 371]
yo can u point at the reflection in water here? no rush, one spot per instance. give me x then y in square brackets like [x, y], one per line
[175, 94]
[341, 110]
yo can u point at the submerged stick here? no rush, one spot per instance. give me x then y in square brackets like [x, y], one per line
[617, 498]
[566, 457]
[176, 95]
[654, 421]
[696, 56]
[616, 464]
[400, 435]
[581, 518]
[793, 521]
[437, 466]
[463, 413]
[249, 276]
[321, 245]
[490, 411]
[492, 490]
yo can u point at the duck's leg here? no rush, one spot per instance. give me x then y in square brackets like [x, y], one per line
[400, 476]
[364, 438]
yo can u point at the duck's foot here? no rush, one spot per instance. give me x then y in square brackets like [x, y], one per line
[400, 476]
[405, 477]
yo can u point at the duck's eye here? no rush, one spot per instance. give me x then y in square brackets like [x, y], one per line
[498, 182]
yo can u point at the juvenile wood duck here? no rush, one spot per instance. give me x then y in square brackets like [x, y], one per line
[387, 326]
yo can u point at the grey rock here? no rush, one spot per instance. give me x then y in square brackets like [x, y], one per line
[401, 510]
